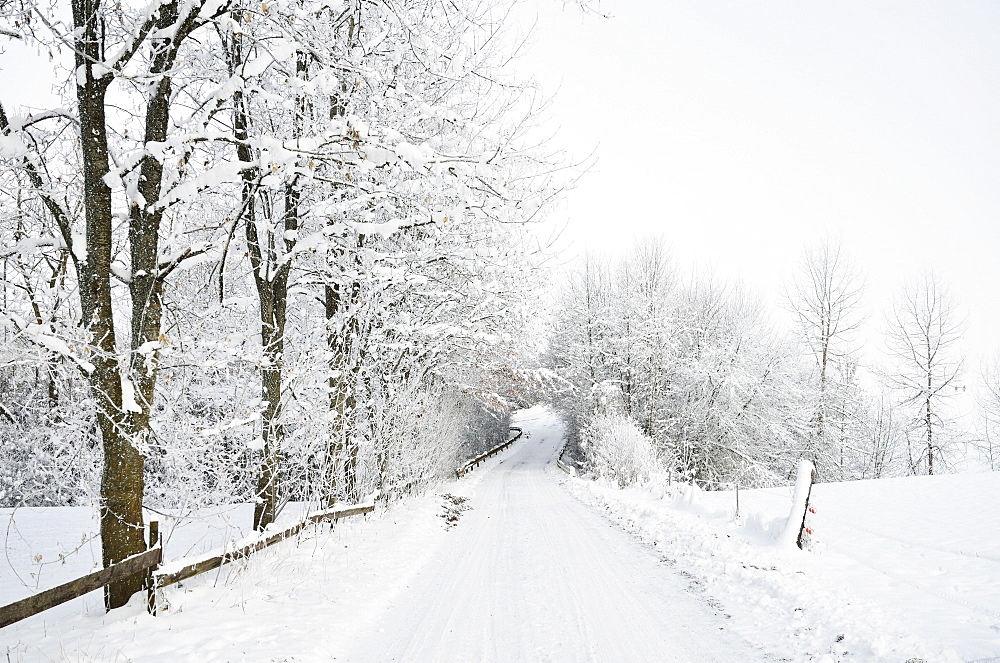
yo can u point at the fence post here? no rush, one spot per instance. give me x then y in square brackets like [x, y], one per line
[805, 511]
[154, 540]
[737, 500]
[795, 524]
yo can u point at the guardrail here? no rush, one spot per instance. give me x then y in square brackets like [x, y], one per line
[559, 462]
[149, 562]
[472, 464]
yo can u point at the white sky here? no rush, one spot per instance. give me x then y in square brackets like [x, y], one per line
[742, 131]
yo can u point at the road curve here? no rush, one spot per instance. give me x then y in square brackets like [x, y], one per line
[531, 574]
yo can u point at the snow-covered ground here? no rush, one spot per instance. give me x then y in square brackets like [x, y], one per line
[527, 569]
[521, 572]
[44, 547]
[897, 570]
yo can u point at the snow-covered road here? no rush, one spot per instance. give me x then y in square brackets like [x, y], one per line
[542, 567]
[527, 573]
[531, 574]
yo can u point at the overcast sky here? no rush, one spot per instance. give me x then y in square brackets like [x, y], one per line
[743, 130]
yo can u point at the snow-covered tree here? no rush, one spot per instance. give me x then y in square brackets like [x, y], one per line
[695, 364]
[326, 199]
[988, 439]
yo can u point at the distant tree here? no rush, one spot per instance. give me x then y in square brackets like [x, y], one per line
[881, 438]
[578, 346]
[694, 365]
[923, 331]
[645, 286]
[987, 441]
[826, 301]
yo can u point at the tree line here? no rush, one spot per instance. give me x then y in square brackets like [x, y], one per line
[692, 375]
[265, 251]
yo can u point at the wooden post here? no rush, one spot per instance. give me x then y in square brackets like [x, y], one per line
[805, 512]
[154, 540]
[737, 500]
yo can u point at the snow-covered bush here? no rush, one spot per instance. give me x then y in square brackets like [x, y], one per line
[614, 448]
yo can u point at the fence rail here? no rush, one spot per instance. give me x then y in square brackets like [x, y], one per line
[68, 591]
[472, 464]
[214, 562]
[148, 562]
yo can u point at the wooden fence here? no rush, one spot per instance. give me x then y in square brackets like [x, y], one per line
[149, 562]
[472, 464]
[68, 591]
[161, 579]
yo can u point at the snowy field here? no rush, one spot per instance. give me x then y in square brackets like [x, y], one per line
[530, 570]
[898, 569]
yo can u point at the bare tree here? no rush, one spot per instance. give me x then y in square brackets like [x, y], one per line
[826, 301]
[882, 432]
[987, 443]
[923, 331]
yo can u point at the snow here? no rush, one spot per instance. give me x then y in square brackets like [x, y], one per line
[386, 229]
[55, 344]
[541, 566]
[211, 8]
[129, 404]
[896, 569]
[416, 156]
[11, 147]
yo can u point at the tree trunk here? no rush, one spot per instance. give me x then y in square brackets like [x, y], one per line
[146, 284]
[337, 384]
[266, 508]
[928, 421]
[271, 279]
[122, 484]
[342, 452]
[928, 412]
[271, 259]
